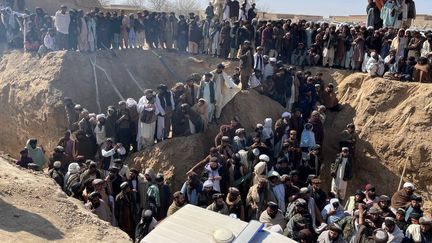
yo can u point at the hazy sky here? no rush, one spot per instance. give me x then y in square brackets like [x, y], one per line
[322, 7]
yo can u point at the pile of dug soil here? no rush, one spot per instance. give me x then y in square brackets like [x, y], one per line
[174, 157]
[34, 209]
[32, 90]
[393, 122]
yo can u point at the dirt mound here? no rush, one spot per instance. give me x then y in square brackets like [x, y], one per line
[32, 90]
[34, 209]
[174, 157]
[393, 121]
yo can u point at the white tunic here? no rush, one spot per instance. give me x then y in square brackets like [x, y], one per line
[338, 184]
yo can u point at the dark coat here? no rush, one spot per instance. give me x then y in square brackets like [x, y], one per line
[348, 168]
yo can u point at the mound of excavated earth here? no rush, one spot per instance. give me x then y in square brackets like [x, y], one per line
[32, 90]
[174, 157]
[34, 209]
[393, 121]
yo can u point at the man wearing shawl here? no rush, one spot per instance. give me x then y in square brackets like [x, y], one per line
[147, 122]
[36, 153]
[225, 88]
[341, 171]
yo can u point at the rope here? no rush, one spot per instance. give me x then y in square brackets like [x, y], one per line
[177, 77]
[96, 85]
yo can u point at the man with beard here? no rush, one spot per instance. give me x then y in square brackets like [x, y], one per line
[218, 205]
[114, 181]
[68, 145]
[165, 104]
[341, 171]
[205, 197]
[384, 205]
[234, 203]
[84, 124]
[272, 216]
[99, 207]
[394, 233]
[125, 211]
[246, 64]
[258, 197]
[84, 145]
[179, 201]
[401, 198]
[110, 123]
[318, 194]
[290, 190]
[278, 189]
[59, 155]
[164, 196]
[348, 137]
[415, 207]
[332, 235]
[147, 224]
[225, 88]
[139, 187]
[353, 201]
[91, 172]
[111, 152]
[281, 125]
[300, 221]
[124, 132]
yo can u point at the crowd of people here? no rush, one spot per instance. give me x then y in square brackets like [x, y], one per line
[384, 46]
[271, 174]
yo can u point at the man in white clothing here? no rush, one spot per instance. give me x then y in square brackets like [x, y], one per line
[165, 104]
[109, 152]
[426, 51]
[147, 119]
[225, 88]
[61, 22]
[375, 65]
[259, 59]
[395, 235]
[341, 171]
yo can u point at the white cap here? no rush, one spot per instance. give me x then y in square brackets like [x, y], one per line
[272, 59]
[256, 151]
[264, 158]
[208, 183]
[286, 115]
[408, 184]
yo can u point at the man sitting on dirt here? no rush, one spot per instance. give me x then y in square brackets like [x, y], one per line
[402, 198]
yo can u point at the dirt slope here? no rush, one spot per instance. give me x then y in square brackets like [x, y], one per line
[34, 209]
[32, 90]
[176, 156]
[393, 121]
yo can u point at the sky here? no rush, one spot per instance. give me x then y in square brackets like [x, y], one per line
[322, 7]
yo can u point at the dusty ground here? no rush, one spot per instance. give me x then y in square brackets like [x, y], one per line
[32, 90]
[34, 209]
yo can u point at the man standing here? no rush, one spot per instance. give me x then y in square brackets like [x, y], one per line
[207, 90]
[225, 88]
[165, 104]
[246, 64]
[147, 224]
[147, 124]
[99, 207]
[272, 216]
[179, 201]
[258, 59]
[218, 205]
[62, 21]
[341, 171]
[125, 210]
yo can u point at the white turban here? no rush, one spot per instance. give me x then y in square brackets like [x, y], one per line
[99, 116]
[131, 102]
[408, 184]
[73, 168]
[208, 183]
[286, 115]
[264, 158]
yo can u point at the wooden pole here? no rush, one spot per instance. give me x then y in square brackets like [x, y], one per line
[403, 174]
